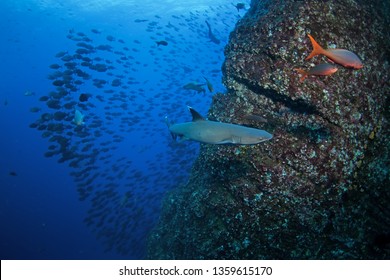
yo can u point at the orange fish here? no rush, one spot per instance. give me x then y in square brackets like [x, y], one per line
[323, 69]
[340, 56]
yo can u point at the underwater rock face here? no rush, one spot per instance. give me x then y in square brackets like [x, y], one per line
[319, 188]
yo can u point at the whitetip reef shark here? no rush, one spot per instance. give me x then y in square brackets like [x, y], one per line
[211, 132]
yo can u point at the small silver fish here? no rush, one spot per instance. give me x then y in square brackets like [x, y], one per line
[78, 117]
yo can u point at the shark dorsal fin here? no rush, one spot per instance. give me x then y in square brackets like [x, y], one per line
[195, 115]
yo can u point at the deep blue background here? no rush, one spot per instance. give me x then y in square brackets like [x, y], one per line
[41, 216]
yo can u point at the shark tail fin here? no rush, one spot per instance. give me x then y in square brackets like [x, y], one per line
[167, 121]
[174, 136]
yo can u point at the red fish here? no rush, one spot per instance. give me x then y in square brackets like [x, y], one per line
[323, 69]
[340, 56]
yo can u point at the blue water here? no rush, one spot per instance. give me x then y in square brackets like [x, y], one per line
[98, 195]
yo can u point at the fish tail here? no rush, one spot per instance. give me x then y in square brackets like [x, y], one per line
[302, 72]
[317, 49]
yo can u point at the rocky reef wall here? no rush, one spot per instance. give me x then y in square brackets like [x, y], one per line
[320, 188]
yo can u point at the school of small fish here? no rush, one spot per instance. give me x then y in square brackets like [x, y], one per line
[104, 115]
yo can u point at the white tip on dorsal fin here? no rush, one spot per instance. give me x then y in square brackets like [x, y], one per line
[195, 115]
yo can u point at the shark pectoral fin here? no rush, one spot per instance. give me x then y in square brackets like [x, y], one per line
[224, 142]
[236, 139]
[231, 140]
